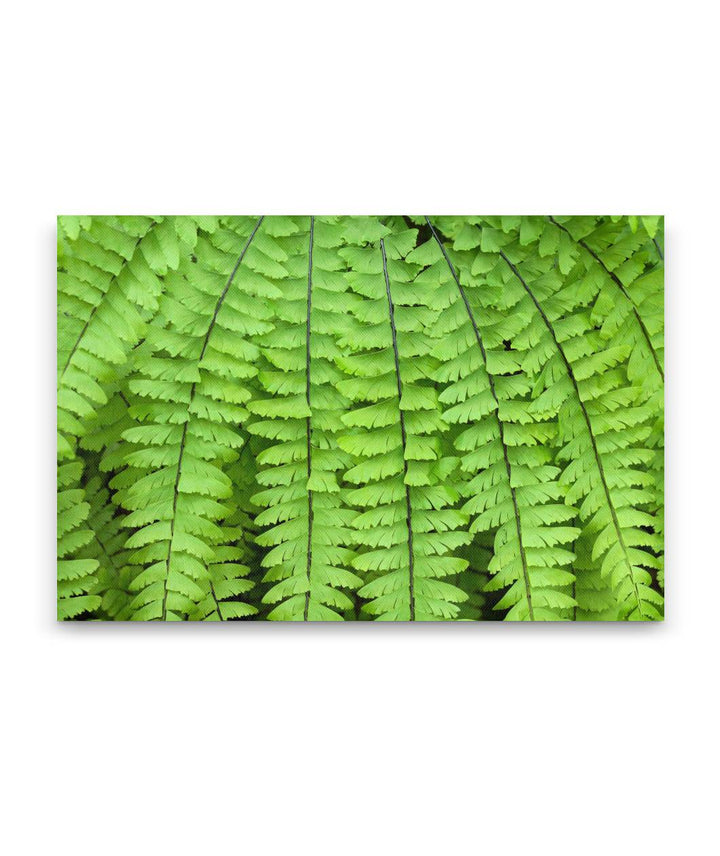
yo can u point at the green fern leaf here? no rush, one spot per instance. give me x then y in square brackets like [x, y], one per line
[500, 451]
[307, 521]
[192, 391]
[325, 418]
[582, 381]
[407, 525]
[75, 572]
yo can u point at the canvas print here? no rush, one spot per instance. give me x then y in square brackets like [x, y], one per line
[391, 418]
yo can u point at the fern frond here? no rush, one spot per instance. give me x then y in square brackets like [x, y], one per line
[582, 381]
[192, 390]
[625, 285]
[305, 520]
[594, 594]
[108, 284]
[107, 548]
[326, 418]
[619, 274]
[407, 524]
[513, 486]
[231, 590]
[76, 574]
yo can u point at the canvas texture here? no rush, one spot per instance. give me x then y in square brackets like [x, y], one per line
[360, 418]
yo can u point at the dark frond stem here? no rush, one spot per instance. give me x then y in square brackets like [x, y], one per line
[478, 337]
[308, 422]
[215, 601]
[227, 286]
[586, 417]
[219, 303]
[78, 340]
[622, 288]
[408, 506]
[174, 506]
[659, 251]
[92, 315]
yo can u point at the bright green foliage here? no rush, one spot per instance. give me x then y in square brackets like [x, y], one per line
[75, 573]
[191, 394]
[327, 418]
[408, 524]
[109, 271]
[107, 548]
[299, 415]
[506, 449]
[582, 379]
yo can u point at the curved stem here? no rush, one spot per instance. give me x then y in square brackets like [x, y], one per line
[193, 388]
[588, 424]
[618, 282]
[508, 471]
[308, 424]
[93, 311]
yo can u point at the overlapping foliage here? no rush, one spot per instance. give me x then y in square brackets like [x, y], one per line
[328, 418]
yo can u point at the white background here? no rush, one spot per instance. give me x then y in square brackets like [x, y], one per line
[357, 739]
